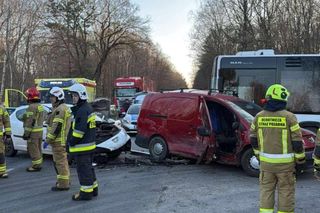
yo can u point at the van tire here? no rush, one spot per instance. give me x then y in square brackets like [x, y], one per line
[9, 148]
[158, 149]
[246, 165]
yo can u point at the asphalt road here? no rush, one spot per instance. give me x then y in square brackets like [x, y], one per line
[143, 188]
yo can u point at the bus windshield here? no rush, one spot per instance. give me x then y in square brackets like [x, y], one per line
[250, 77]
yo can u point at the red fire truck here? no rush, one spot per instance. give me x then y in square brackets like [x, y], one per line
[125, 89]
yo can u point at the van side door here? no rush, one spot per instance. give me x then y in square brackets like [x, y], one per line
[182, 123]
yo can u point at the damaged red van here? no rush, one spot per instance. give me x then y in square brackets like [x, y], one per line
[202, 126]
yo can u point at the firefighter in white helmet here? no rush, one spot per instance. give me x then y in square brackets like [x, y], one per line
[81, 141]
[59, 123]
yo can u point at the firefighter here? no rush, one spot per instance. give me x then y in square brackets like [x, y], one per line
[4, 125]
[316, 156]
[81, 141]
[277, 142]
[59, 123]
[33, 128]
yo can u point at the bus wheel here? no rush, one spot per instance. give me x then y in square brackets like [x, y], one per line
[158, 149]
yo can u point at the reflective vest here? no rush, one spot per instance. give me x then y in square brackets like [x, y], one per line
[316, 153]
[275, 132]
[33, 120]
[5, 126]
[59, 123]
[81, 138]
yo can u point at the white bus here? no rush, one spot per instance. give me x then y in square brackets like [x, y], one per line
[249, 74]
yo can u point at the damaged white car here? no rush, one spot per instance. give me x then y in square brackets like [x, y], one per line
[111, 138]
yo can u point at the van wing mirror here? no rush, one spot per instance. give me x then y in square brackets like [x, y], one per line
[203, 131]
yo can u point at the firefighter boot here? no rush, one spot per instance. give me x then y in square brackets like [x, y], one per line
[4, 175]
[33, 169]
[82, 196]
[95, 188]
[95, 192]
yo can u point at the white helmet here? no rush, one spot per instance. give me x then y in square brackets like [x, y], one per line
[57, 92]
[80, 89]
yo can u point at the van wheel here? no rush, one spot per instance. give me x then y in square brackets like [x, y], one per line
[9, 151]
[158, 149]
[250, 163]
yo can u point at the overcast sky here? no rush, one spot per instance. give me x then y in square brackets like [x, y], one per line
[170, 28]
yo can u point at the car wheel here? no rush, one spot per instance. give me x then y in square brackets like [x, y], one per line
[250, 163]
[9, 151]
[158, 149]
[114, 154]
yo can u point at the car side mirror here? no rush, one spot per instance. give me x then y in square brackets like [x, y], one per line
[235, 125]
[203, 131]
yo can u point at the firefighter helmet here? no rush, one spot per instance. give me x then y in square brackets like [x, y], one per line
[32, 94]
[277, 92]
[80, 90]
[57, 92]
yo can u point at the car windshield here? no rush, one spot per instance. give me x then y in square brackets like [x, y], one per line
[134, 109]
[249, 107]
[244, 110]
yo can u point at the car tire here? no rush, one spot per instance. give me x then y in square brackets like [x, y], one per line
[248, 163]
[158, 149]
[114, 154]
[9, 151]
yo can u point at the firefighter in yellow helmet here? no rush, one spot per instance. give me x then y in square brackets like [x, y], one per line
[59, 123]
[33, 128]
[316, 156]
[277, 142]
[5, 129]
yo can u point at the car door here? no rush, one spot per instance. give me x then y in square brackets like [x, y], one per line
[206, 142]
[16, 120]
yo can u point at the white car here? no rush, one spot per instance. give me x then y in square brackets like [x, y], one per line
[129, 121]
[110, 138]
[17, 143]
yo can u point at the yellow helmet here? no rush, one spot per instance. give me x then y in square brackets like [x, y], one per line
[277, 92]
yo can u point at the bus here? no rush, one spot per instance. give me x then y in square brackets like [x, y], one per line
[248, 75]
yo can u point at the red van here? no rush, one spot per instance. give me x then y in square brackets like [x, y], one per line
[202, 126]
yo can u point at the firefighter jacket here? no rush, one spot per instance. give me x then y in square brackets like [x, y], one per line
[33, 121]
[277, 140]
[59, 123]
[316, 154]
[4, 122]
[81, 138]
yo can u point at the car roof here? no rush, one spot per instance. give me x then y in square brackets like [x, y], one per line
[189, 93]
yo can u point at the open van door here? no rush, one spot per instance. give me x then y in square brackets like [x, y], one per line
[206, 134]
[14, 98]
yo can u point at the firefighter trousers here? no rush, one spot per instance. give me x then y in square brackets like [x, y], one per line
[34, 150]
[61, 165]
[86, 173]
[2, 158]
[285, 183]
